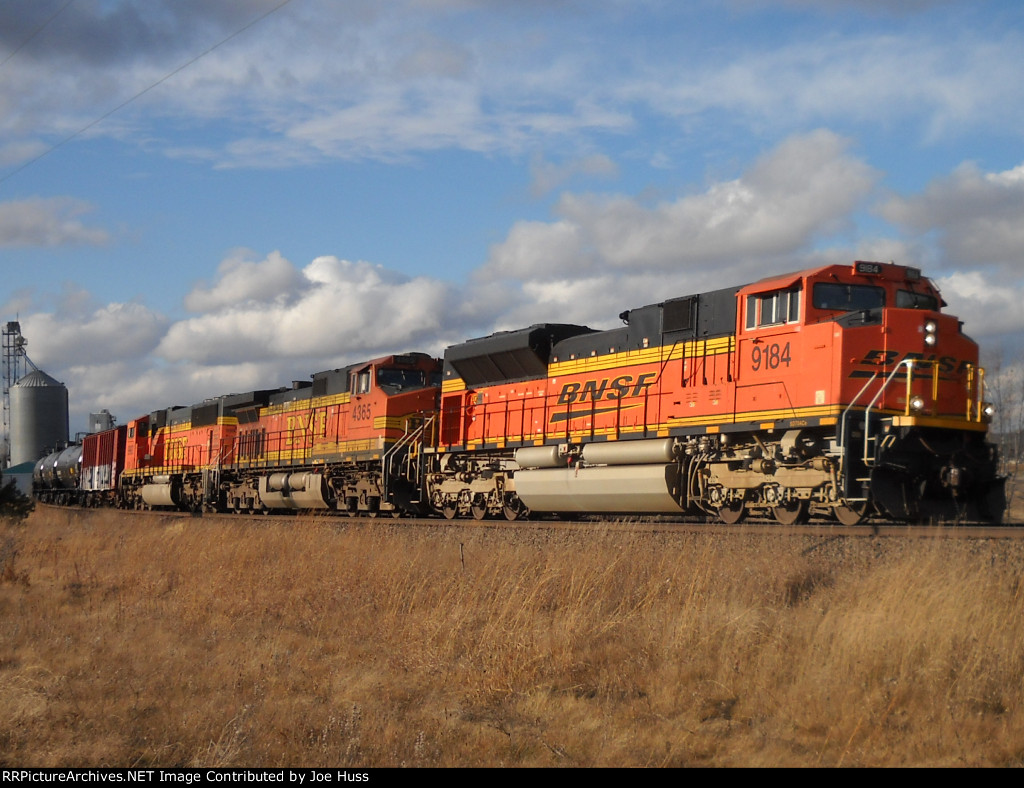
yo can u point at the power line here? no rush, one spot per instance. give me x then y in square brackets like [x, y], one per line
[142, 92]
[39, 30]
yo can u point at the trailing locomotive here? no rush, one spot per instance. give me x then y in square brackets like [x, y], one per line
[838, 392]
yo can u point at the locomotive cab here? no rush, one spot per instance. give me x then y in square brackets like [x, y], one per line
[890, 385]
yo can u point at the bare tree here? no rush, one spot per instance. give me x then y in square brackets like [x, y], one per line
[1004, 388]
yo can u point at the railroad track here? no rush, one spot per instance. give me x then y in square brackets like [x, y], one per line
[633, 524]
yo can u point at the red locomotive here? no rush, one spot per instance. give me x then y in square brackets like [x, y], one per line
[837, 392]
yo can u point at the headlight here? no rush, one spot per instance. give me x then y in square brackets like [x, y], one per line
[917, 404]
[988, 410]
[931, 329]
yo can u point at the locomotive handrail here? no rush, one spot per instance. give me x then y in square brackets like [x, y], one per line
[405, 440]
[842, 423]
[909, 364]
[975, 392]
[970, 389]
[842, 428]
[211, 473]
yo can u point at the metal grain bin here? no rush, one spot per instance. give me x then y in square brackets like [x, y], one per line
[39, 416]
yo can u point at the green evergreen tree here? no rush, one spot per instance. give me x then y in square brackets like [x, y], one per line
[14, 504]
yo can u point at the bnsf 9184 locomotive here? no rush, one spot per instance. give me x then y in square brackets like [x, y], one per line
[839, 392]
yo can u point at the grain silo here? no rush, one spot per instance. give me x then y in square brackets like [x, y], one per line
[39, 416]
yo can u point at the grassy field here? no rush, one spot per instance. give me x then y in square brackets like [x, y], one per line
[179, 641]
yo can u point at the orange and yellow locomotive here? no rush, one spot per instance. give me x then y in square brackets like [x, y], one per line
[832, 392]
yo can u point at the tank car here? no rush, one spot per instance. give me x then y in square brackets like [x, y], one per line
[838, 392]
[55, 478]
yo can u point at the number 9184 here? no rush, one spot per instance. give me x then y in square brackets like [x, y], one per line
[770, 356]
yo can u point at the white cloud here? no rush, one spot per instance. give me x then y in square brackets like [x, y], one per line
[977, 216]
[803, 190]
[1013, 177]
[895, 7]
[131, 389]
[94, 335]
[942, 86]
[47, 222]
[548, 176]
[258, 325]
[987, 310]
[541, 250]
[332, 309]
[19, 151]
[386, 80]
[239, 281]
[969, 225]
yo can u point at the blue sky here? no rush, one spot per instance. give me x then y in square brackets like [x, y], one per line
[204, 196]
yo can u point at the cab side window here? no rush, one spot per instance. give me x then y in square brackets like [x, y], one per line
[361, 382]
[773, 309]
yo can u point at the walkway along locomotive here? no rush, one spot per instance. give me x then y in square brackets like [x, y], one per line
[838, 392]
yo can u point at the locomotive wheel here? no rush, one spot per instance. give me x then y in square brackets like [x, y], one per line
[791, 512]
[732, 512]
[512, 510]
[853, 514]
[479, 511]
[449, 512]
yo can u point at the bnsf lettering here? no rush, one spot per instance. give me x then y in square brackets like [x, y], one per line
[303, 423]
[946, 363]
[606, 388]
[880, 358]
[884, 358]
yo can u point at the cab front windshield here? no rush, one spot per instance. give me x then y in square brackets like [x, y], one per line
[401, 379]
[848, 298]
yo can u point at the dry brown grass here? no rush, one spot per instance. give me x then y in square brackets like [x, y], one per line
[181, 641]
